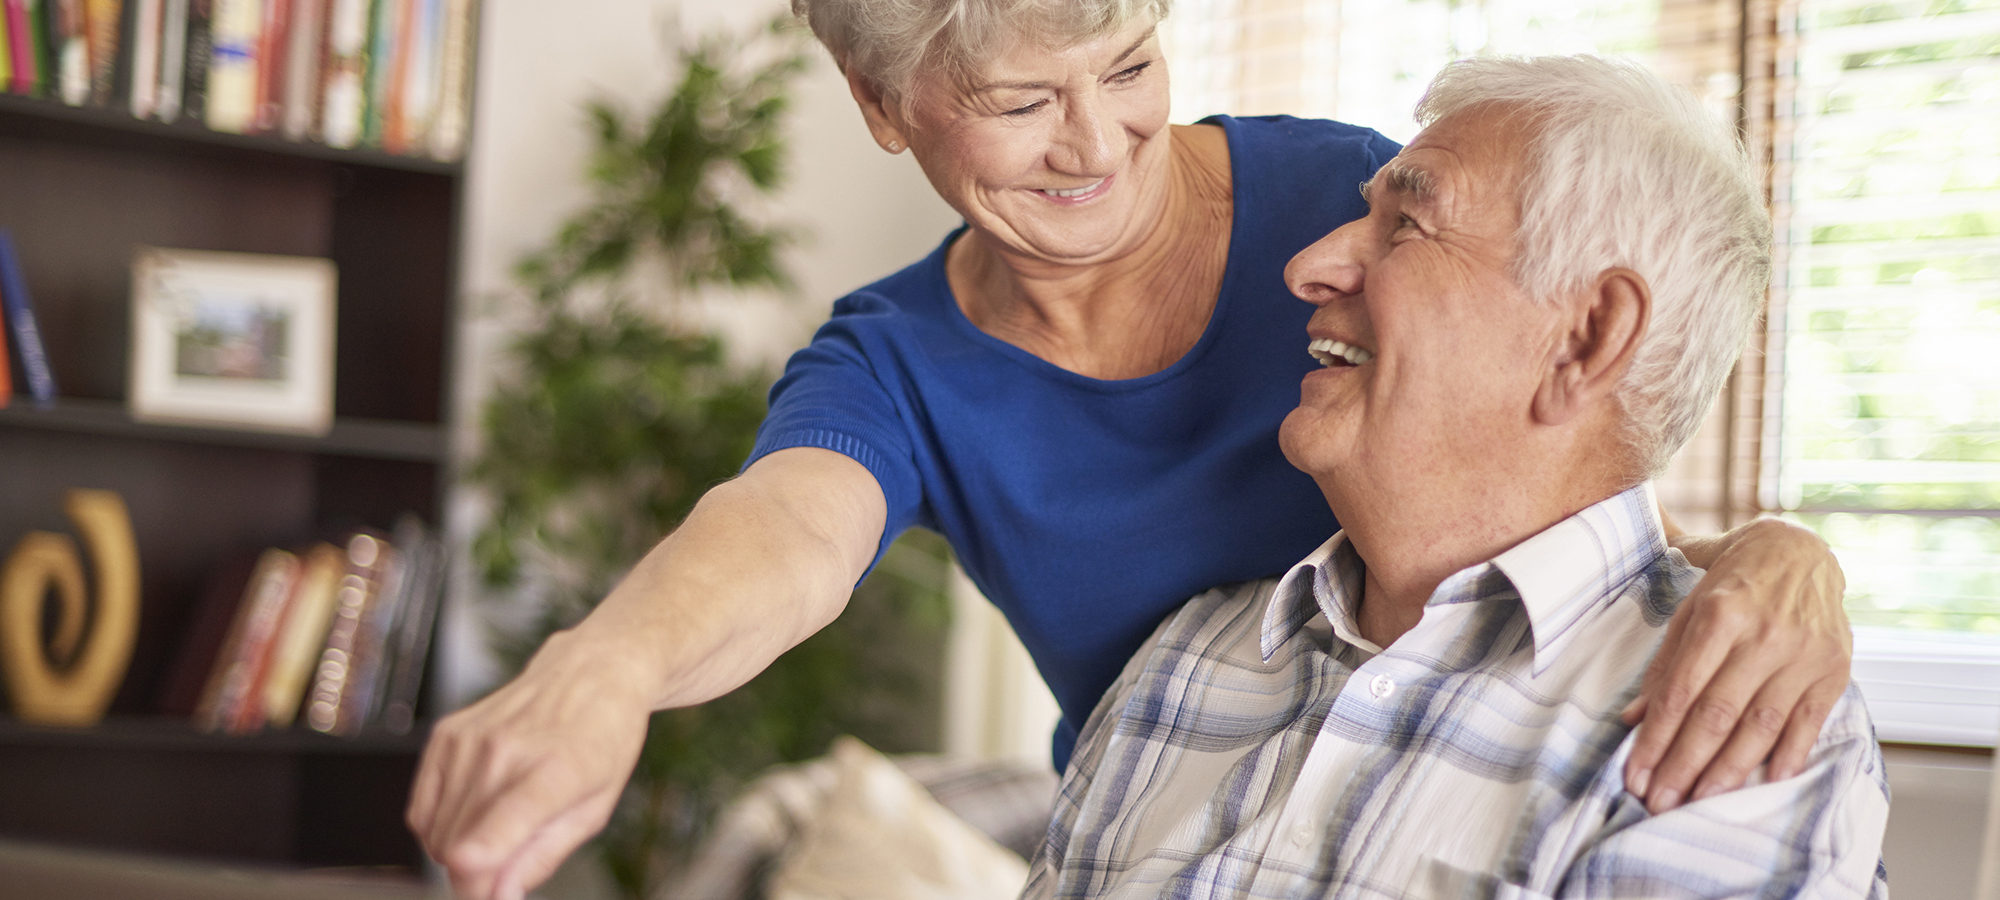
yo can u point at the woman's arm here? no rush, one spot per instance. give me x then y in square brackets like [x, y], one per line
[509, 786]
[1752, 663]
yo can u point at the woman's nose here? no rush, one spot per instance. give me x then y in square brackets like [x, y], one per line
[1329, 268]
[1090, 144]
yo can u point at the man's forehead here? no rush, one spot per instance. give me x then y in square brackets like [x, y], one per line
[1408, 178]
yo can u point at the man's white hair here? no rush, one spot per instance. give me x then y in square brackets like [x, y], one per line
[893, 44]
[1622, 169]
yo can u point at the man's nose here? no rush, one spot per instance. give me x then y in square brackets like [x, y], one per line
[1329, 268]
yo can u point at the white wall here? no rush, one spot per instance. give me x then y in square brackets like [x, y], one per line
[868, 213]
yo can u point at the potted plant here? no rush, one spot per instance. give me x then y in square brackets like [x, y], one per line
[619, 413]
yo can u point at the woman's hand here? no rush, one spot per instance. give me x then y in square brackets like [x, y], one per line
[1751, 665]
[509, 786]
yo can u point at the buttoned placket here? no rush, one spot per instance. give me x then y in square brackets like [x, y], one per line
[1332, 762]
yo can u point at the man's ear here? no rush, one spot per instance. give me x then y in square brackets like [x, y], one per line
[1603, 336]
[884, 121]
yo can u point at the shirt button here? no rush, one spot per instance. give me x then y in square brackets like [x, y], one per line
[1302, 837]
[1382, 687]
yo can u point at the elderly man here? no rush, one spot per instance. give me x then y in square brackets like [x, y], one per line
[1550, 285]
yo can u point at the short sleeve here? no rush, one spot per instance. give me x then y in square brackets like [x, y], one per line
[836, 395]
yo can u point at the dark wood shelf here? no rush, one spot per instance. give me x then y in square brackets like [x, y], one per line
[57, 119]
[158, 733]
[366, 438]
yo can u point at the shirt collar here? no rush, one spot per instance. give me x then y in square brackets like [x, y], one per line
[1559, 574]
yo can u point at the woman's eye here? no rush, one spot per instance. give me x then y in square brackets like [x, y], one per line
[1128, 74]
[1025, 110]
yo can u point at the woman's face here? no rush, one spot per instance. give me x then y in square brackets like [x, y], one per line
[1056, 155]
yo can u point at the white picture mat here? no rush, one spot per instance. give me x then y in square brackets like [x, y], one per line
[170, 285]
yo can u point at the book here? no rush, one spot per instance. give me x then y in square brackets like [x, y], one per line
[343, 102]
[281, 673]
[200, 51]
[207, 629]
[361, 702]
[373, 566]
[385, 37]
[40, 15]
[302, 63]
[232, 678]
[21, 321]
[409, 131]
[412, 641]
[6, 369]
[72, 52]
[231, 86]
[104, 22]
[173, 60]
[454, 110]
[273, 40]
[143, 77]
[6, 51]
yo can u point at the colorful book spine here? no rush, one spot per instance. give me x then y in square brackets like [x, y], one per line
[272, 40]
[448, 132]
[343, 105]
[6, 49]
[372, 564]
[302, 61]
[6, 368]
[40, 15]
[144, 78]
[381, 89]
[173, 60]
[289, 664]
[234, 677]
[413, 637]
[104, 21]
[200, 53]
[232, 67]
[72, 52]
[21, 321]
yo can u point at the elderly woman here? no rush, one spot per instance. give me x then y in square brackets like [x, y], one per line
[1081, 389]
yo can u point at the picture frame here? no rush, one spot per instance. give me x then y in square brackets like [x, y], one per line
[238, 340]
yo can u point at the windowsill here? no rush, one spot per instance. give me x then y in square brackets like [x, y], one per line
[1932, 688]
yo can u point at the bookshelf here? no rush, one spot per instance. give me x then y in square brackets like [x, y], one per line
[80, 188]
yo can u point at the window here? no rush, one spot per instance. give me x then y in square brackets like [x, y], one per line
[1871, 408]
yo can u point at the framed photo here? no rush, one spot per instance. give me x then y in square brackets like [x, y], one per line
[235, 339]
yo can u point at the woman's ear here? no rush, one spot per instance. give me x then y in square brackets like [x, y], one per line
[883, 118]
[1604, 334]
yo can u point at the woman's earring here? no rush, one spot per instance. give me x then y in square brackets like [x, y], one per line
[895, 146]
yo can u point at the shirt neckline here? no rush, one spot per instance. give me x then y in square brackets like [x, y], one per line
[1239, 190]
[1560, 574]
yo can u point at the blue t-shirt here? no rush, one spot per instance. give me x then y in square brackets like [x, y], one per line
[1088, 510]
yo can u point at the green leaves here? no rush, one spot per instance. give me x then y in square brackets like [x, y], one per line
[668, 184]
[613, 421]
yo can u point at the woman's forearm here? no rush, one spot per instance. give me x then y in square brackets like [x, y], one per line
[760, 564]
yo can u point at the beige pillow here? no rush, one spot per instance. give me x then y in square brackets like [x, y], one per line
[882, 837]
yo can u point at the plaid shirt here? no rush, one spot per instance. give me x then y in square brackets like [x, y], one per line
[1260, 747]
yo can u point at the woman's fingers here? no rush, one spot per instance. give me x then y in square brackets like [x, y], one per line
[1708, 715]
[1688, 657]
[1802, 730]
[1763, 723]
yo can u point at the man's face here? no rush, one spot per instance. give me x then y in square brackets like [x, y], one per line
[1448, 350]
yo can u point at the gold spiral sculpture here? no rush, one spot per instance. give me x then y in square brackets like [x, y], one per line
[71, 679]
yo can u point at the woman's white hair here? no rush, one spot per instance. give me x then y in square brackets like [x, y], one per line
[891, 42]
[1624, 170]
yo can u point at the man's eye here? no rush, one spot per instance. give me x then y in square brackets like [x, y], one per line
[1405, 223]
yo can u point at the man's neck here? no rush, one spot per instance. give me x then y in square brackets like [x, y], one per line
[1411, 544]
